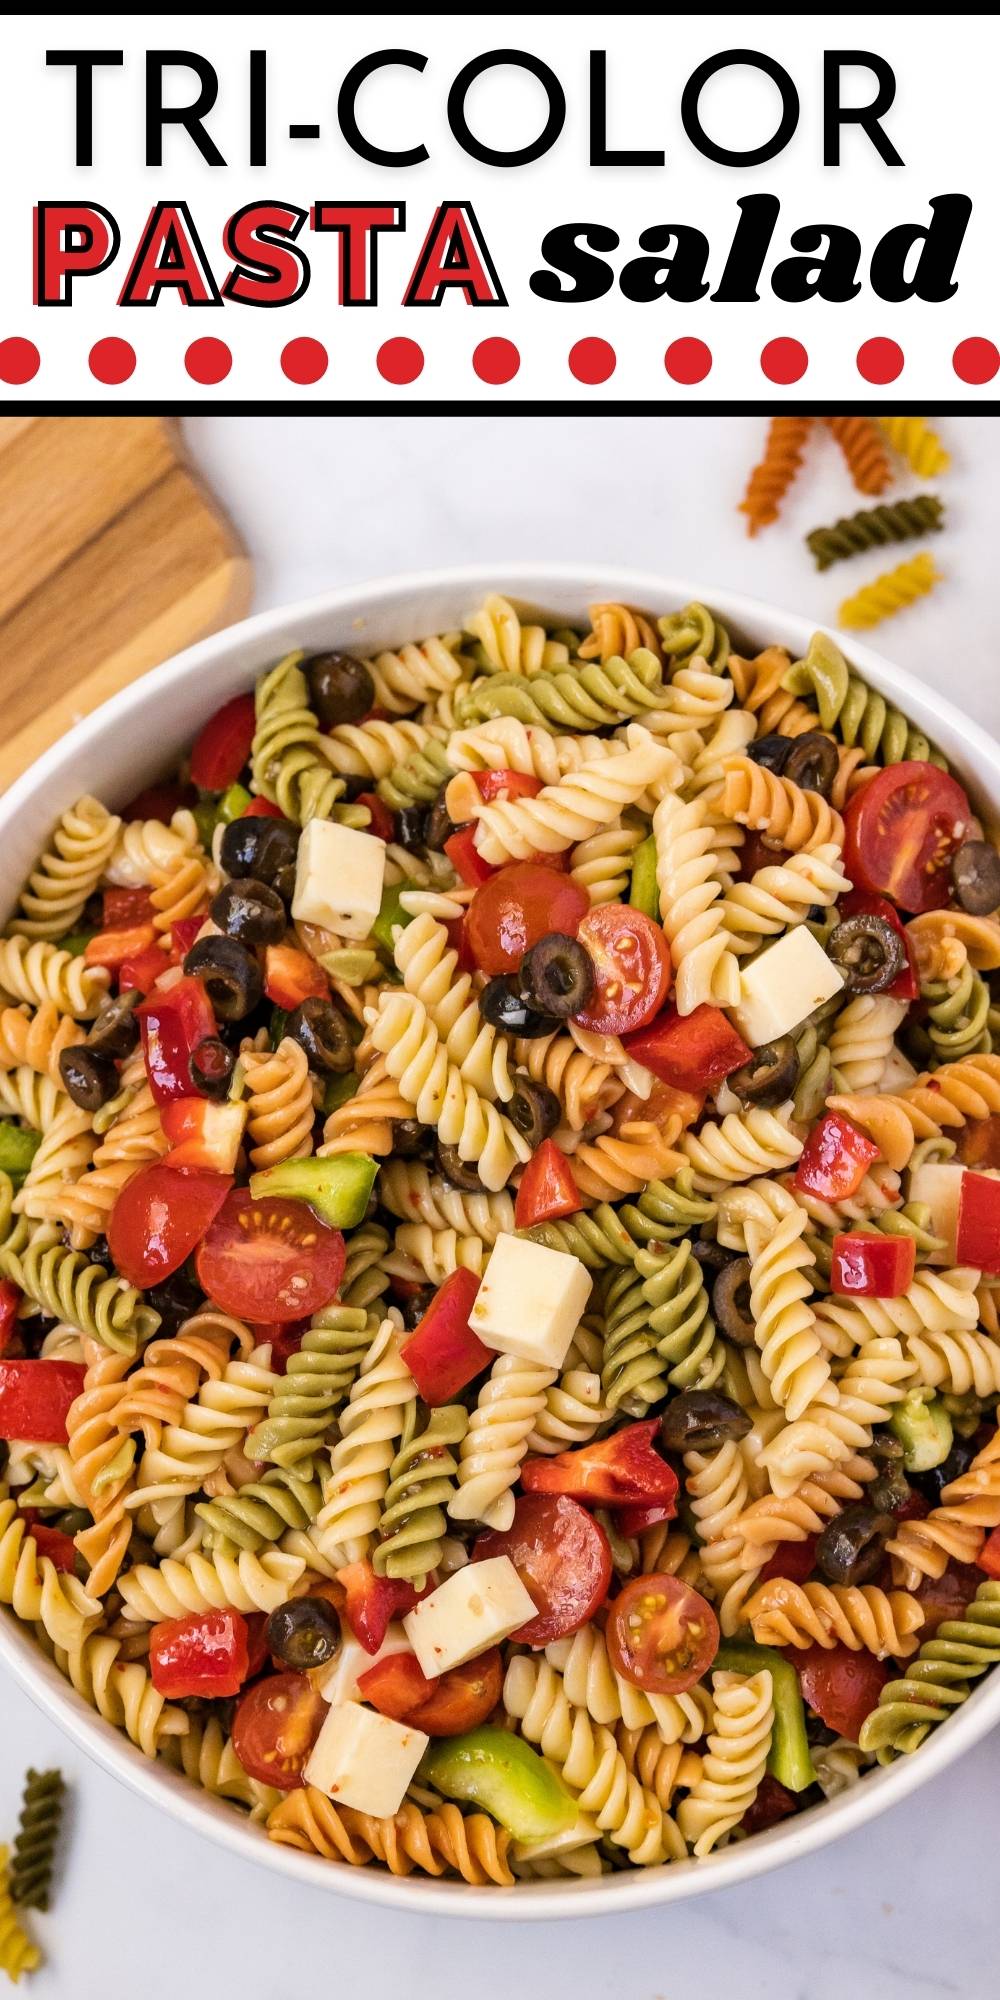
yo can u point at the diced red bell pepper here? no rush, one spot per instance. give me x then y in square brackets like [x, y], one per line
[621, 1471]
[759, 851]
[861, 903]
[262, 809]
[10, 1299]
[872, 1267]
[113, 949]
[291, 976]
[159, 802]
[124, 907]
[223, 746]
[206, 1653]
[139, 973]
[203, 1134]
[635, 1520]
[946, 1596]
[35, 1397]
[978, 1143]
[382, 823]
[466, 859]
[257, 1646]
[284, 1337]
[51, 1542]
[989, 1555]
[977, 1238]
[442, 1353]
[547, 1187]
[458, 940]
[172, 1024]
[835, 1159]
[794, 1560]
[183, 932]
[372, 1602]
[502, 784]
[690, 1051]
[772, 1802]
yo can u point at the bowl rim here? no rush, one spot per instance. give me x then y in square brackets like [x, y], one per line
[524, 582]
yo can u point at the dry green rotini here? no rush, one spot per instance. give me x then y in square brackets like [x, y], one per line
[33, 1857]
[894, 521]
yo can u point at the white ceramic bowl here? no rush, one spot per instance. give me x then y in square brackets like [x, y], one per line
[130, 741]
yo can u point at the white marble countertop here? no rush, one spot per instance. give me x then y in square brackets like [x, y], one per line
[897, 1911]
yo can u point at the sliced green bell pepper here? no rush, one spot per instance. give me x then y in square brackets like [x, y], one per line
[233, 803]
[17, 1150]
[789, 1761]
[338, 1188]
[503, 1774]
[390, 916]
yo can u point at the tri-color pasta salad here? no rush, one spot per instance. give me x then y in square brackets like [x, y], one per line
[500, 1246]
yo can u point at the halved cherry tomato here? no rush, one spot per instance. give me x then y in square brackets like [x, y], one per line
[517, 906]
[662, 1635]
[843, 1687]
[10, 1299]
[989, 1555]
[900, 832]
[458, 1700]
[978, 1143]
[978, 1234]
[622, 1470]
[502, 784]
[466, 859]
[382, 825]
[35, 1397]
[772, 1802]
[269, 1259]
[262, 809]
[947, 1596]
[291, 976]
[834, 1159]
[563, 1558]
[223, 746]
[51, 1542]
[372, 1602]
[663, 1104]
[906, 985]
[690, 1051]
[113, 949]
[631, 960]
[794, 1560]
[275, 1726]
[547, 1187]
[158, 1218]
[257, 1648]
[442, 1353]
[458, 941]
[121, 908]
[203, 1134]
[758, 851]
[205, 1653]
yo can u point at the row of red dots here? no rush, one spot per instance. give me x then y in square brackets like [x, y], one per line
[496, 361]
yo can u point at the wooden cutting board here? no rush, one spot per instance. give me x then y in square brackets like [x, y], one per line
[113, 555]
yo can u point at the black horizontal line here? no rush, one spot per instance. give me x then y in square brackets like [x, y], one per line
[426, 407]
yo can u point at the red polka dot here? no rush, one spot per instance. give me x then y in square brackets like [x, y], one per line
[112, 361]
[975, 360]
[496, 361]
[784, 360]
[687, 360]
[208, 360]
[592, 361]
[880, 360]
[400, 360]
[19, 359]
[304, 360]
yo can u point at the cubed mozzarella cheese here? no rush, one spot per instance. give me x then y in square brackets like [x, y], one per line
[897, 1072]
[530, 1301]
[937, 1186]
[338, 1682]
[477, 1607]
[339, 875]
[783, 985]
[365, 1760]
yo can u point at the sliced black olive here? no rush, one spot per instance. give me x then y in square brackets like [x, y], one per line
[250, 911]
[259, 846]
[73, 1521]
[115, 1032]
[439, 826]
[975, 871]
[931, 1484]
[410, 1138]
[868, 951]
[813, 763]
[304, 1633]
[175, 1299]
[850, 1547]
[340, 688]
[229, 974]
[461, 1173]
[891, 1489]
[533, 1110]
[701, 1420]
[89, 1076]
[211, 1066]
[557, 976]
[731, 1302]
[711, 1256]
[322, 1031]
[411, 826]
[502, 1006]
[771, 1074]
[771, 752]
